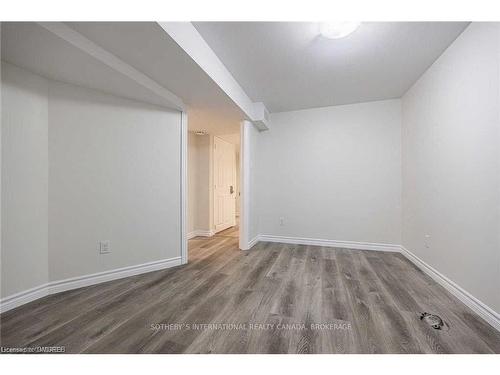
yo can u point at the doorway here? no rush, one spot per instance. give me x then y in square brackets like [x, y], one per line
[213, 192]
[224, 174]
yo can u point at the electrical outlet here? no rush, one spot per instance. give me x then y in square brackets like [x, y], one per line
[104, 247]
[427, 240]
[282, 221]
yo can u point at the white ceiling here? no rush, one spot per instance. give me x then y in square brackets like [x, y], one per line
[289, 66]
[149, 49]
[285, 65]
[143, 45]
[30, 46]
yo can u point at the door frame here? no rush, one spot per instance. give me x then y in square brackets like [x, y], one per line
[183, 187]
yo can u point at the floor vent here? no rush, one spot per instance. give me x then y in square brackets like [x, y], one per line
[433, 320]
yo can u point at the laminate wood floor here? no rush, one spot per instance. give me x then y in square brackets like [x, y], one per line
[230, 232]
[275, 298]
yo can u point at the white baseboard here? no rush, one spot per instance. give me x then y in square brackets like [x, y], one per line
[253, 242]
[331, 243]
[21, 298]
[481, 309]
[200, 233]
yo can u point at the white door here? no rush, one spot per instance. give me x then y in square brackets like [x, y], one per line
[224, 185]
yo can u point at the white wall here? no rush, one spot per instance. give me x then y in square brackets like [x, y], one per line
[79, 166]
[24, 180]
[451, 164]
[200, 182]
[114, 175]
[204, 220]
[332, 173]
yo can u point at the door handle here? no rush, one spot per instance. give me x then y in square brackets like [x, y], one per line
[231, 189]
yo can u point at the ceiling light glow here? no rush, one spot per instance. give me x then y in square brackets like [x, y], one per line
[337, 30]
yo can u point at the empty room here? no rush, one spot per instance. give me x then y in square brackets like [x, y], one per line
[257, 187]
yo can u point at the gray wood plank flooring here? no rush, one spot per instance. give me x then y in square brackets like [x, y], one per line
[276, 298]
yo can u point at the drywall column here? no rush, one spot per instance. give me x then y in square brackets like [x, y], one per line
[248, 215]
[244, 185]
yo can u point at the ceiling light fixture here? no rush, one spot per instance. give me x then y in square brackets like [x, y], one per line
[337, 30]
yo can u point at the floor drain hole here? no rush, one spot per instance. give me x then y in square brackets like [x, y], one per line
[433, 320]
